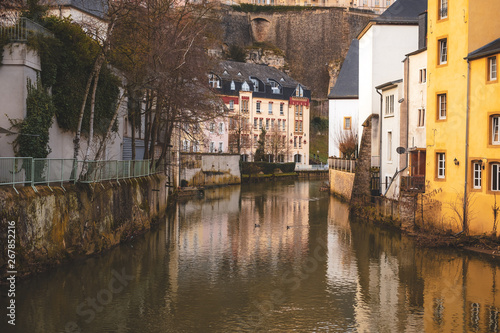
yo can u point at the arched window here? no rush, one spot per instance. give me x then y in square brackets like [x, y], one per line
[213, 81]
[257, 84]
[233, 86]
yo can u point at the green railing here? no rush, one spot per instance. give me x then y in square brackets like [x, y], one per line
[19, 29]
[27, 171]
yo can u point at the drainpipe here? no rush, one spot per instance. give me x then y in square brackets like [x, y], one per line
[380, 137]
[464, 221]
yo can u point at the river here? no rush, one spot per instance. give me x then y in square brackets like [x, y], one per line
[281, 257]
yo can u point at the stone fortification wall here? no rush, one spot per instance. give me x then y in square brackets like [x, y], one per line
[52, 227]
[315, 42]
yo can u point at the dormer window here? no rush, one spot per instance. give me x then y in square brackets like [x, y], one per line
[282, 80]
[275, 87]
[257, 84]
[245, 86]
[225, 72]
[299, 92]
[213, 81]
[239, 73]
[233, 86]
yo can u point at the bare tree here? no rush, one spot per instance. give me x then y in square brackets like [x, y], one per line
[347, 141]
[275, 143]
[239, 133]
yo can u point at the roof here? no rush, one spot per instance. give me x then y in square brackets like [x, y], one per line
[487, 50]
[389, 85]
[346, 86]
[403, 11]
[242, 71]
[97, 8]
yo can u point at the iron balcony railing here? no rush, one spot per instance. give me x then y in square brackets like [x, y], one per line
[27, 171]
[342, 165]
[413, 184]
[21, 29]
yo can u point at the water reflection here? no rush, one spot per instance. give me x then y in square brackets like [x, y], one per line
[270, 258]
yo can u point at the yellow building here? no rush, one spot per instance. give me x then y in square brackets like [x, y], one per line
[461, 108]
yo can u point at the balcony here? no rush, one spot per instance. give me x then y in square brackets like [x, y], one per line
[414, 184]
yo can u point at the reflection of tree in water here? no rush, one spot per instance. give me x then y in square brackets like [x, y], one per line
[260, 202]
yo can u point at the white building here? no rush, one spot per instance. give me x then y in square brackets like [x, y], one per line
[383, 44]
[343, 102]
[390, 129]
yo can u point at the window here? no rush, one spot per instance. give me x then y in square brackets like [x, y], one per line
[442, 106]
[347, 123]
[185, 145]
[244, 105]
[267, 124]
[255, 122]
[300, 142]
[221, 147]
[296, 125]
[441, 165]
[389, 105]
[272, 124]
[233, 86]
[231, 105]
[443, 51]
[297, 110]
[255, 140]
[422, 75]
[257, 107]
[443, 9]
[275, 87]
[279, 124]
[211, 147]
[421, 117]
[495, 177]
[281, 109]
[477, 167]
[260, 123]
[388, 3]
[300, 110]
[495, 130]
[221, 128]
[492, 68]
[389, 146]
[295, 142]
[213, 81]
[196, 147]
[299, 92]
[212, 127]
[300, 125]
[255, 84]
[284, 125]
[245, 86]
[270, 108]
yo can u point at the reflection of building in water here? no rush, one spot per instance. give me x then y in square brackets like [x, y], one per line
[461, 294]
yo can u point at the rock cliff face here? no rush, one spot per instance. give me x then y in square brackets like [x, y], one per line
[314, 42]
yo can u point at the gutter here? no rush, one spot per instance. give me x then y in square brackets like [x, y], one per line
[380, 133]
[407, 100]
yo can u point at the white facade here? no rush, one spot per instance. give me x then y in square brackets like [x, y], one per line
[390, 131]
[340, 110]
[382, 48]
[417, 100]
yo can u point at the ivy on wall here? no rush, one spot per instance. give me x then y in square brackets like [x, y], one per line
[33, 140]
[67, 60]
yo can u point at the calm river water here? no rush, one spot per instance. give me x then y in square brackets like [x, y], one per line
[268, 258]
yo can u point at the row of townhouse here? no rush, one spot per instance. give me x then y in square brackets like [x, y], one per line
[257, 98]
[427, 78]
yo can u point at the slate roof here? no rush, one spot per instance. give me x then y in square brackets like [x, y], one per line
[247, 70]
[94, 7]
[403, 11]
[487, 50]
[346, 86]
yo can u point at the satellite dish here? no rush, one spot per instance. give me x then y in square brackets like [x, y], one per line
[400, 150]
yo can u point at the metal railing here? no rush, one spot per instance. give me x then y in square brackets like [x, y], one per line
[413, 184]
[22, 29]
[342, 165]
[28, 171]
[310, 167]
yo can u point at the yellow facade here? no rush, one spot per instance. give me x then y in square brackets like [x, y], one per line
[464, 27]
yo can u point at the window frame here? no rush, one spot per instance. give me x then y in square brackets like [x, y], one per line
[492, 62]
[497, 166]
[440, 175]
[421, 117]
[442, 8]
[422, 78]
[231, 104]
[477, 175]
[492, 124]
[270, 108]
[347, 128]
[443, 51]
[440, 104]
[257, 107]
[214, 80]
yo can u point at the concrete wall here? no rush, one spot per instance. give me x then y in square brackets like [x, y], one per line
[210, 169]
[341, 183]
[55, 226]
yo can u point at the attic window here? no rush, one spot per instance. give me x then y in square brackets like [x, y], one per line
[299, 92]
[233, 86]
[225, 72]
[245, 86]
[213, 81]
[282, 80]
[239, 73]
[275, 86]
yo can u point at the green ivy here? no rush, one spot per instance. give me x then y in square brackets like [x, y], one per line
[33, 140]
[67, 60]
